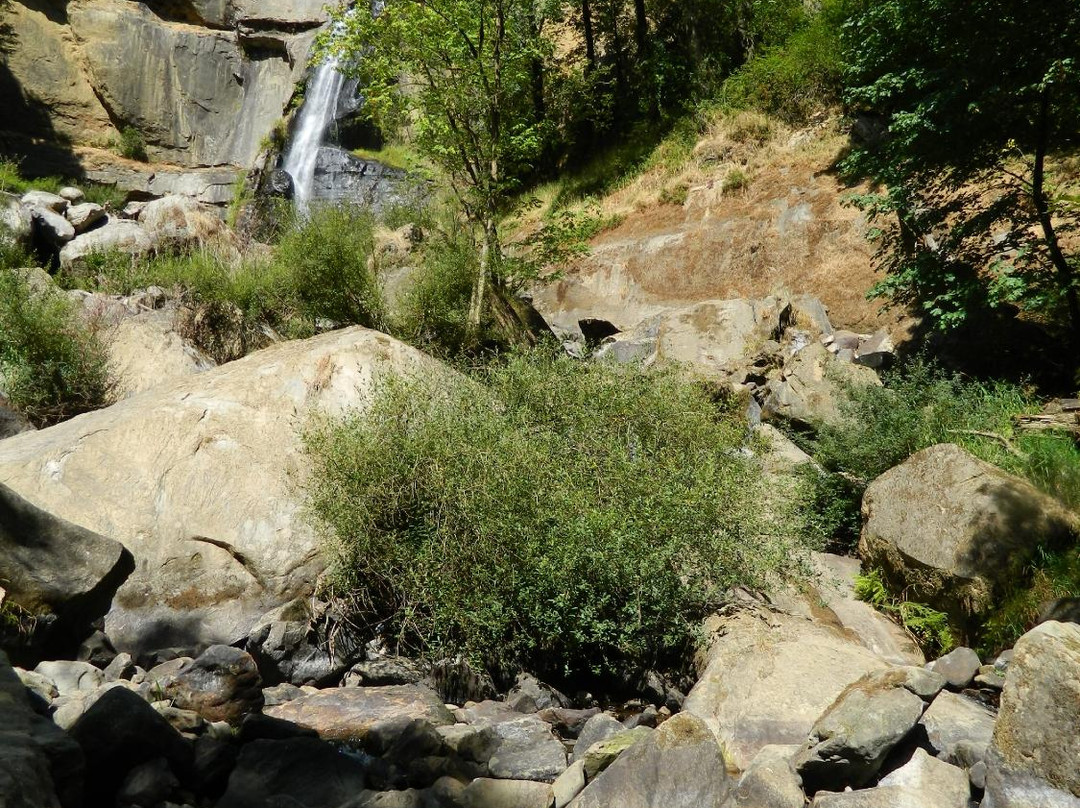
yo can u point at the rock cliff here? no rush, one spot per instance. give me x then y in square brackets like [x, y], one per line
[203, 81]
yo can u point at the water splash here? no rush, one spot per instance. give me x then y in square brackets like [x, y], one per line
[316, 115]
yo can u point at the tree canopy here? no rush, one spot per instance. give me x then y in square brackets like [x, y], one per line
[976, 96]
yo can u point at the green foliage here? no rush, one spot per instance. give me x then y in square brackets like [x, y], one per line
[975, 96]
[329, 255]
[929, 627]
[568, 517]
[1050, 576]
[132, 145]
[794, 78]
[735, 180]
[52, 366]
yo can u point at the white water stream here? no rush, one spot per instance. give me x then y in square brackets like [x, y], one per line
[316, 115]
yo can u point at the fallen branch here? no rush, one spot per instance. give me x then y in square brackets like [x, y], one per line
[992, 436]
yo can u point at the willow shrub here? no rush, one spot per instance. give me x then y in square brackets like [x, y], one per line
[52, 365]
[571, 518]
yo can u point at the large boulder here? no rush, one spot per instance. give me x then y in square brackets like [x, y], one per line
[923, 782]
[15, 222]
[119, 235]
[678, 766]
[811, 387]
[848, 744]
[954, 532]
[768, 676]
[372, 716]
[201, 479]
[1034, 757]
[180, 222]
[147, 350]
[221, 684]
[311, 772]
[63, 574]
[29, 776]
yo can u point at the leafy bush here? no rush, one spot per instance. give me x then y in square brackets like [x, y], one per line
[928, 626]
[568, 517]
[329, 256]
[52, 366]
[794, 79]
[132, 145]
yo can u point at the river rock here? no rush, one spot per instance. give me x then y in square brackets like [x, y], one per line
[769, 676]
[119, 235]
[848, 744]
[148, 784]
[221, 684]
[770, 781]
[953, 531]
[568, 722]
[308, 772]
[678, 766]
[569, 784]
[200, 479]
[71, 677]
[596, 729]
[526, 749]
[45, 199]
[958, 728]
[923, 782]
[603, 753]
[811, 387]
[51, 227]
[117, 734]
[959, 667]
[59, 571]
[85, 216]
[1033, 757]
[372, 716]
[485, 793]
[382, 671]
[26, 772]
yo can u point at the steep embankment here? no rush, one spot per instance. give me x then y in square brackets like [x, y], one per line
[764, 213]
[202, 81]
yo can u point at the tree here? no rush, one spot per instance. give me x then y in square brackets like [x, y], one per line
[977, 97]
[461, 76]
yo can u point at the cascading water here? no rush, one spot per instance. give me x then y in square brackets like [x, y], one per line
[318, 112]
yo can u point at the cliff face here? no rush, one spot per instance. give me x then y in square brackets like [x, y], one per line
[204, 81]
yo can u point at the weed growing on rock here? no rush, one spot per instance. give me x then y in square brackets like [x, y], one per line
[563, 516]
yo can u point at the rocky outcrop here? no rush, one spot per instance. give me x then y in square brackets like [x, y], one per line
[200, 479]
[952, 531]
[62, 574]
[203, 81]
[1035, 749]
[769, 676]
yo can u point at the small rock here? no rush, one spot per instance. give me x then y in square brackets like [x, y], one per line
[280, 694]
[85, 216]
[569, 784]
[71, 677]
[598, 728]
[959, 667]
[526, 749]
[475, 743]
[924, 782]
[603, 753]
[848, 744]
[485, 793]
[770, 781]
[46, 200]
[530, 695]
[567, 722]
[39, 684]
[953, 719]
[381, 673]
[121, 667]
[147, 785]
[222, 684]
[51, 227]
[71, 194]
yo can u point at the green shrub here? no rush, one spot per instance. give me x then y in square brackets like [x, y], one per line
[929, 627]
[52, 366]
[132, 145]
[795, 79]
[329, 256]
[568, 517]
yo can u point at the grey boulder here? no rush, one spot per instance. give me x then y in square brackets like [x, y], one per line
[117, 235]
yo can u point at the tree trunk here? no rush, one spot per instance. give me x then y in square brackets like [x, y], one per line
[641, 29]
[490, 258]
[1065, 272]
[590, 40]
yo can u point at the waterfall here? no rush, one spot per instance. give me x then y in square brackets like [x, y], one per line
[318, 112]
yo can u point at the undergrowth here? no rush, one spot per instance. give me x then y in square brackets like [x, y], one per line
[52, 365]
[928, 626]
[571, 518]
